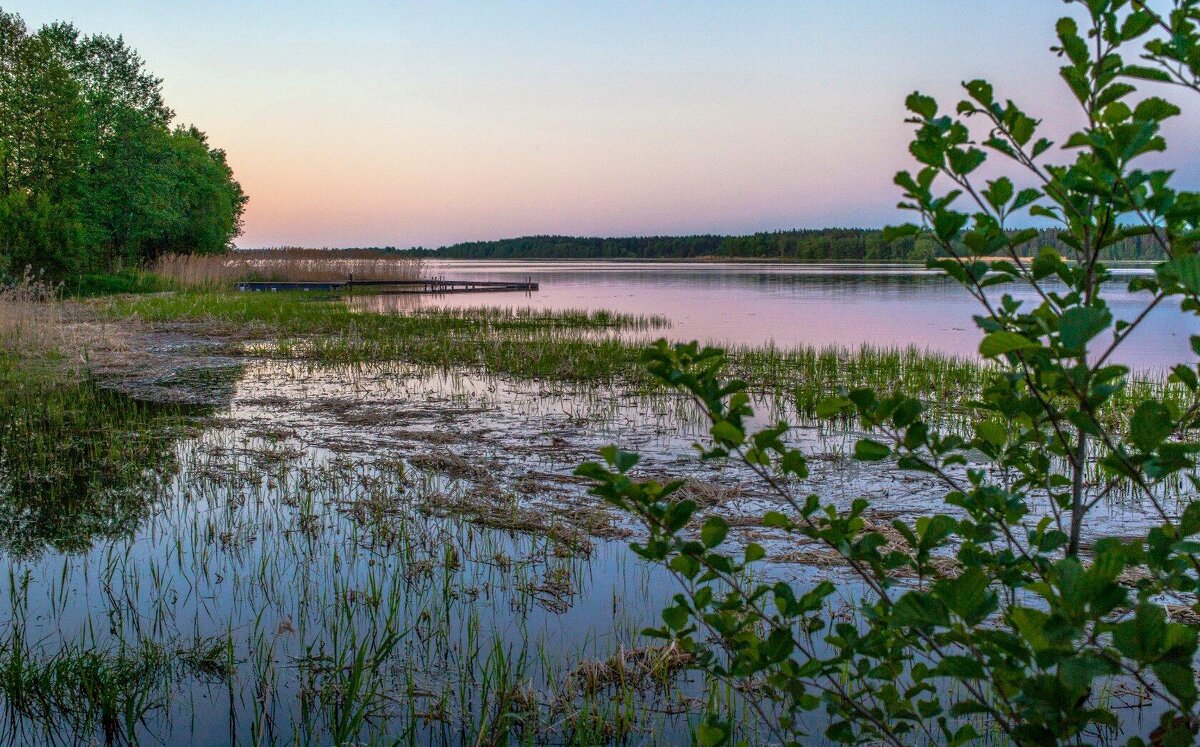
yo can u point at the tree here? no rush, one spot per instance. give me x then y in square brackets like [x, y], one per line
[209, 200]
[91, 174]
[1009, 616]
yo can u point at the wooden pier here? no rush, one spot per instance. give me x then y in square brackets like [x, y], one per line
[434, 286]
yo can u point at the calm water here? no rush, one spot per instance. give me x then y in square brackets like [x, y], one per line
[790, 305]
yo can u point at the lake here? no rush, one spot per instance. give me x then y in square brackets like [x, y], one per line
[788, 304]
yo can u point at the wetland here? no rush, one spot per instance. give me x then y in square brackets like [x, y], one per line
[299, 518]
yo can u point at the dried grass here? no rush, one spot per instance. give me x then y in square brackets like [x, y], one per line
[33, 319]
[639, 668]
[940, 566]
[283, 265]
[708, 494]
[39, 327]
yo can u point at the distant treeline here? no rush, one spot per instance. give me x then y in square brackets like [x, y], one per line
[93, 176]
[831, 244]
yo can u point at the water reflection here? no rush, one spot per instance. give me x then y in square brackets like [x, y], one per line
[80, 466]
[788, 305]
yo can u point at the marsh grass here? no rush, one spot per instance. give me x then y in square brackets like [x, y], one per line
[582, 347]
[290, 265]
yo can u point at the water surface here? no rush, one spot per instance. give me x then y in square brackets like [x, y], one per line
[789, 304]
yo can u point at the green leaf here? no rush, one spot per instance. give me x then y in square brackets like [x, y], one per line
[1137, 24]
[775, 519]
[675, 617]
[892, 233]
[968, 596]
[686, 565]
[1189, 523]
[1155, 109]
[992, 431]
[622, 460]
[1078, 672]
[1142, 638]
[1025, 197]
[1080, 324]
[870, 451]
[960, 667]
[726, 432]
[1150, 425]
[1184, 270]
[919, 610]
[999, 192]
[714, 531]
[1180, 681]
[981, 91]
[1186, 376]
[921, 105]
[999, 343]
[1142, 72]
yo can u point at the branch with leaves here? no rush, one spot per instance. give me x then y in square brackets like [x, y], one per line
[1016, 610]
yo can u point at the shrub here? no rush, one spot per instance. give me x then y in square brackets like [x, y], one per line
[1010, 620]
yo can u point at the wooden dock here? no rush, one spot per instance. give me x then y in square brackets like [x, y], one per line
[434, 286]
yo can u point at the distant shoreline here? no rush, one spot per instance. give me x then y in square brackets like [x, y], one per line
[375, 253]
[751, 261]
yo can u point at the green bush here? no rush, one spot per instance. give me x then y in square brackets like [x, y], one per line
[94, 284]
[1010, 622]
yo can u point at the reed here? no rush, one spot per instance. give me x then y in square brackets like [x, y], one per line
[281, 265]
[31, 320]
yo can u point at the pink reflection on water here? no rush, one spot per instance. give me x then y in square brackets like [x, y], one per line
[785, 305]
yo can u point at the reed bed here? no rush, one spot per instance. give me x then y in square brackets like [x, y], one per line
[31, 317]
[588, 348]
[509, 316]
[282, 265]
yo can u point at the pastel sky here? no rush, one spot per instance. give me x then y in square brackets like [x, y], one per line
[365, 122]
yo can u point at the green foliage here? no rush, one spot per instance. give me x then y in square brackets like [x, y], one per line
[104, 284]
[1010, 617]
[92, 176]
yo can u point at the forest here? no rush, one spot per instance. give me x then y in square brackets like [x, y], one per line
[831, 244]
[94, 175]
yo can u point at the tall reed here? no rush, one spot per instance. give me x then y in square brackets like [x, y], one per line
[31, 319]
[283, 265]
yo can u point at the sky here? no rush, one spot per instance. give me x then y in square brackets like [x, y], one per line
[372, 123]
